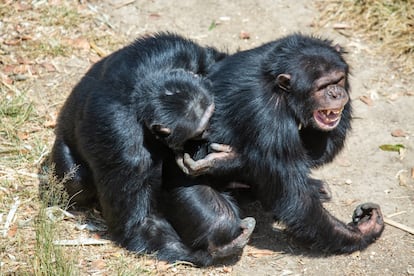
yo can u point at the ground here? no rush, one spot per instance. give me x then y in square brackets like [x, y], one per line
[383, 100]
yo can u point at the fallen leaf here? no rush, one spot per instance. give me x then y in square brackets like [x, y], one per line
[49, 124]
[21, 7]
[6, 80]
[94, 58]
[349, 202]
[24, 60]
[49, 67]
[19, 69]
[79, 43]
[356, 254]
[412, 173]
[212, 25]
[98, 264]
[12, 42]
[389, 147]
[154, 16]
[367, 100]
[163, 266]
[244, 35]
[402, 178]
[12, 231]
[398, 133]
[23, 135]
[227, 269]
[149, 262]
[393, 97]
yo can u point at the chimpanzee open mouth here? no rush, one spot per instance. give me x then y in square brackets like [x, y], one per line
[327, 119]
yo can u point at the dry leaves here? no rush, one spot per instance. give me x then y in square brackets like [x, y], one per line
[244, 35]
[366, 100]
[398, 133]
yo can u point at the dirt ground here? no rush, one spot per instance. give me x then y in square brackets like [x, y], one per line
[362, 173]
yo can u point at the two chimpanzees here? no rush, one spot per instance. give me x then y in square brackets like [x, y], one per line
[283, 108]
[132, 112]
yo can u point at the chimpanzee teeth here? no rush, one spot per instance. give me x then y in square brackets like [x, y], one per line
[327, 112]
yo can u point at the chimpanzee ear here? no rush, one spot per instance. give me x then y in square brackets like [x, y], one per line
[283, 81]
[160, 130]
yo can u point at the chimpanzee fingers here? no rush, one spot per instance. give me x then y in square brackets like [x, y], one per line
[221, 147]
[364, 212]
[196, 167]
[368, 219]
[200, 166]
[179, 159]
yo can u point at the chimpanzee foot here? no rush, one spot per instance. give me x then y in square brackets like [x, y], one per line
[237, 245]
[368, 218]
[325, 194]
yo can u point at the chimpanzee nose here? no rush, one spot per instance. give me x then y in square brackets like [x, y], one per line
[336, 92]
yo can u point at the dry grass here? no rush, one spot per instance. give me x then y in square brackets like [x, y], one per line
[45, 47]
[387, 23]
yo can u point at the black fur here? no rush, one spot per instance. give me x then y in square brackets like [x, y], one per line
[271, 127]
[108, 129]
[210, 213]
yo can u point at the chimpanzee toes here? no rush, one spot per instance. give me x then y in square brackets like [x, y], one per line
[236, 246]
[325, 193]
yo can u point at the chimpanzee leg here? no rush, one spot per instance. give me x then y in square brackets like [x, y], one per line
[207, 219]
[77, 183]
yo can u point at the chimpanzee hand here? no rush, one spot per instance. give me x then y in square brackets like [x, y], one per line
[193, 167]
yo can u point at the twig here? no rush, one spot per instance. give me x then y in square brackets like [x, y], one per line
[180, 263]
[81, 241]
[11, 88]
[53, 213]
[10, 216]
[399, 226]
[125, 3]
[98, 50]
[396, 214]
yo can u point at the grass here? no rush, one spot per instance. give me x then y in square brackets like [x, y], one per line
[38, 42]
[46, 33]
[15, 111]
[387, 23]
[49, 258]
[39, 33]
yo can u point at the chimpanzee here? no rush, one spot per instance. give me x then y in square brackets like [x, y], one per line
[129, 113]
[284, 108]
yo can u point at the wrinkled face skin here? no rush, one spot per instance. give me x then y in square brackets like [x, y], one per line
[323, 102]
[330, 97]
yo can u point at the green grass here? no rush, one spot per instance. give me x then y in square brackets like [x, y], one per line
[51, 259]
[15, 110]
